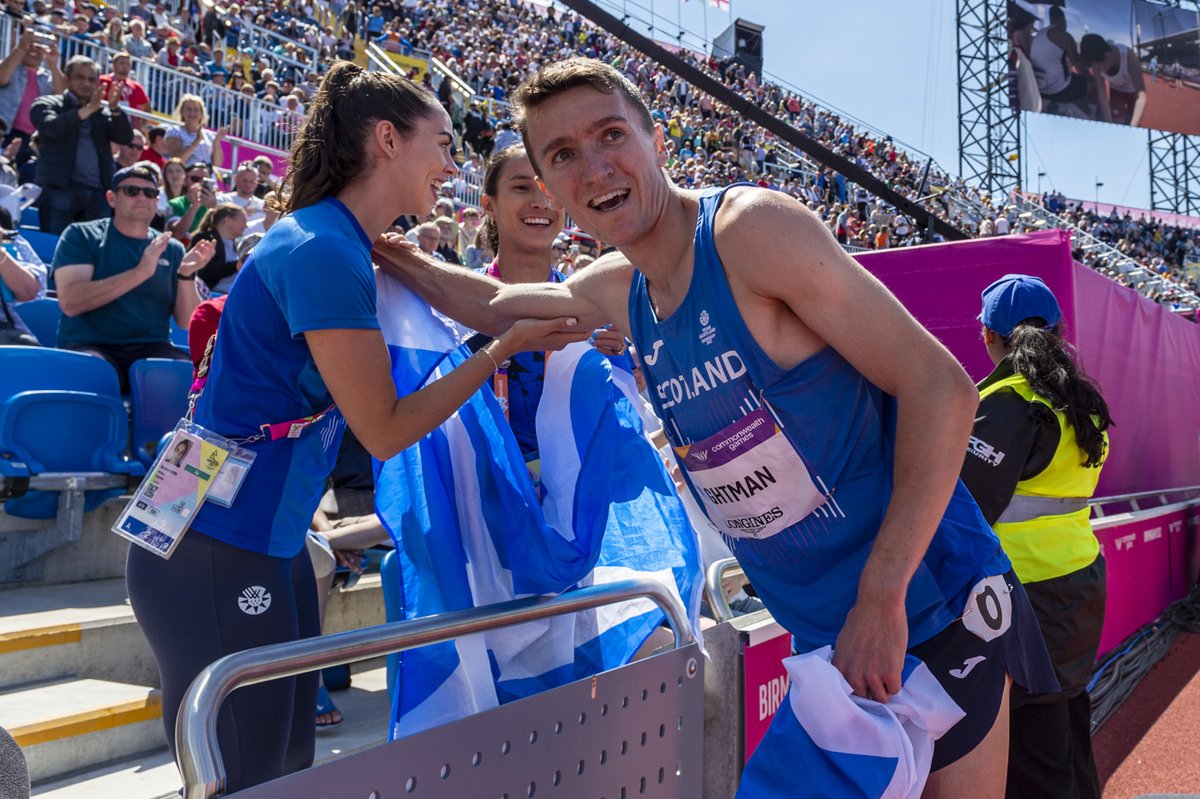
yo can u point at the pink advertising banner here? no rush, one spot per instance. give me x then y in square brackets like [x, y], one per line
[1145, 359]
[765, 680]
[1148, 557]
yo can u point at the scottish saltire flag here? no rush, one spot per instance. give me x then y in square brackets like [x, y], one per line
[470, 529]
[825, 742]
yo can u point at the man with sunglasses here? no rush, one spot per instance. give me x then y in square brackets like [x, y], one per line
[120, 281]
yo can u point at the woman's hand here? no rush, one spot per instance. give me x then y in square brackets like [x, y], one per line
[538, 334]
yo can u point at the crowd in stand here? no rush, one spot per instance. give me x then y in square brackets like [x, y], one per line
[492, 45]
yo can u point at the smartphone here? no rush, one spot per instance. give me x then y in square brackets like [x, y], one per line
[209, 184]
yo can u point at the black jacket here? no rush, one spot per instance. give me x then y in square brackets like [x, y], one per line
[56, 119]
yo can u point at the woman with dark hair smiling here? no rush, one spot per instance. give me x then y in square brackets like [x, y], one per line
[299, 341]
[521, 223]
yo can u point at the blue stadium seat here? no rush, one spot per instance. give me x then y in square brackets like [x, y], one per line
[393, 608]
[158, 388]
[179, 336]
[30, 218]
[41, 317]
[43, 244]
[59, 412]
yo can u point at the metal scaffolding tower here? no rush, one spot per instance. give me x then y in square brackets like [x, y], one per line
[989, 130]
[1174, 172]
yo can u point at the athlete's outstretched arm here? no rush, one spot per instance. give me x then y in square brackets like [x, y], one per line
[595, 297]
[785, 254]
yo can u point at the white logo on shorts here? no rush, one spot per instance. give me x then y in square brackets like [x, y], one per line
[254, 600]
[968, 666]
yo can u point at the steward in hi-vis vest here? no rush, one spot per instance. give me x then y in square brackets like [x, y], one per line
[1032, 464]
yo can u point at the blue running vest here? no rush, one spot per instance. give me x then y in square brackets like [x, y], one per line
[719, 395]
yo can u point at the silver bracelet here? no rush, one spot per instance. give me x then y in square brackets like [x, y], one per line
[495, 366]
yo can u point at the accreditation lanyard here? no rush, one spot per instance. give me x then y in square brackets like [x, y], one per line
[268, 431]
[500, 378]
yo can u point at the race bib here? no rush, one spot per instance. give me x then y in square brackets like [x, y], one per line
[750, 478]
[988, 613]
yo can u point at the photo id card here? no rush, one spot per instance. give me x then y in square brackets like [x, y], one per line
[162, 509]
[229, 479]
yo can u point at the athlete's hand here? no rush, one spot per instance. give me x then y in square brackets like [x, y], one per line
[539, 334]
[393, 253]
[870, 648]
[609, 341]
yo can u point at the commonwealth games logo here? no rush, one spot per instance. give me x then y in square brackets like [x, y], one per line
[254, 600]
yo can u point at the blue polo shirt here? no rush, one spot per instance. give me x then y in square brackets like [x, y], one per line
[312, 271]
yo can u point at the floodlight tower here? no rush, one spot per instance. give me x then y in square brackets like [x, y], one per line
[989, 129]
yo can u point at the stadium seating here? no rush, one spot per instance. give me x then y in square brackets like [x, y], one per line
[60, 412]
[41, 317]
[158, 389]
[43, 243]
[179, 336]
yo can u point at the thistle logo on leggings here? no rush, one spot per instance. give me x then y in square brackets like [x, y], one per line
[254, 600]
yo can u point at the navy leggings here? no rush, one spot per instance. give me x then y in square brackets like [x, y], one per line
[211, 599]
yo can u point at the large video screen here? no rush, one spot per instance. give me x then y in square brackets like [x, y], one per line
[1128, 62]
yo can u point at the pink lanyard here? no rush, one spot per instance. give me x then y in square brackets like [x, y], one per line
[267, 431]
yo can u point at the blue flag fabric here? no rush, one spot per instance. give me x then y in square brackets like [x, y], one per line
[470, 529]
[825, 742]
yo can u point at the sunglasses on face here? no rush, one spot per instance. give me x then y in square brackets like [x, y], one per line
[196, 178]
[133, 191]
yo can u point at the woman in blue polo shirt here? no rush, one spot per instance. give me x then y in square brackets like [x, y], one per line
[299, 348]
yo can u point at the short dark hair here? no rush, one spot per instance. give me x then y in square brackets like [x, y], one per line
[1092, 48]
[78, 61]
[554, 79]
[154, 133]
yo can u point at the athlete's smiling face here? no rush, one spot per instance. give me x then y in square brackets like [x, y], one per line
[524, 216]
[596, 156]
[426, 162]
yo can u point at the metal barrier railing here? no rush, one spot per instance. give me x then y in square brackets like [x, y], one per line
[237, 145]
[1133, 499]
[248, 117]
[714, 590]
[255, 37]
[196, 744]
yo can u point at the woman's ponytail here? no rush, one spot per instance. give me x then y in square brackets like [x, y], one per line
[1047, 361]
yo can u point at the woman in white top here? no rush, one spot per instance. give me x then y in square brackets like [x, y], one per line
[190, 141]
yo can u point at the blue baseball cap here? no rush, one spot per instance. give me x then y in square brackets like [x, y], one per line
[1013, 299]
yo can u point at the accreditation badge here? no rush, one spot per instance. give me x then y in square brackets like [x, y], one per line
[186, 469]
[751, 479]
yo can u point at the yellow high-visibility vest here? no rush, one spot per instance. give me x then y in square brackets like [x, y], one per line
[1045, 530]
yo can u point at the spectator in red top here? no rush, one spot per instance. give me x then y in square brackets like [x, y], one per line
[203, 325]
[156, 146]
[133, 93]
[169, 55]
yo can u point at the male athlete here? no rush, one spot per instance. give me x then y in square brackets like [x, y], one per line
[819, 425]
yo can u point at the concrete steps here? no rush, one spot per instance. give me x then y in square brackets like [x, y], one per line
[78, 683]
[153, 775]
[64, 723]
